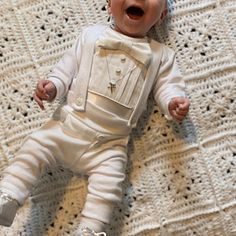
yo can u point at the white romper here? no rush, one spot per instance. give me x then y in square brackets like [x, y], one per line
[93, 142]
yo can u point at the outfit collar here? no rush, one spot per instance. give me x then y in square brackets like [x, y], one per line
[138, 48]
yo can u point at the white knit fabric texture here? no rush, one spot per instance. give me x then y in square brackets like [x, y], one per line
[181, 178]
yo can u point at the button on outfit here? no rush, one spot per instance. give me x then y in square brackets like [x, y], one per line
[79, 101]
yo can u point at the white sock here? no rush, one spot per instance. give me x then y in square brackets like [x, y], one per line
[92, 224]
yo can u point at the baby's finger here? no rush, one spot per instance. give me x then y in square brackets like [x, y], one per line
[39, 101]
[181, 112]
[41, 95]
[177, 116]
[40, 86]
[185, 105]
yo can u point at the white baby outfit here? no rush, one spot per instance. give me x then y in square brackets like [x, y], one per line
[89, 133]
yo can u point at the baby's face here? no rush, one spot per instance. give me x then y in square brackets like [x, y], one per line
[135, 17]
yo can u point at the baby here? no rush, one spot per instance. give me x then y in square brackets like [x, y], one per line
[107, 77]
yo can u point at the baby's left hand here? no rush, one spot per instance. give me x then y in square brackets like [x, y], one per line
[179, 107]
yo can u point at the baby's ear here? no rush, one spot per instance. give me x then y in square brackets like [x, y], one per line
[164, 14]
[109, 7]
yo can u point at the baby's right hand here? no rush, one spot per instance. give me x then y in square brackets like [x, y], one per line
[45, 90]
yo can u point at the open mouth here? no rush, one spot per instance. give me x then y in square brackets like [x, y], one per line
[134, 12]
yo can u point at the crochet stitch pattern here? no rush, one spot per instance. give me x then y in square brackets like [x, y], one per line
[181, 178]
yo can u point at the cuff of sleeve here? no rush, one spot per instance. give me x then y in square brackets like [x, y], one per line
[166, 111]
[59, 85]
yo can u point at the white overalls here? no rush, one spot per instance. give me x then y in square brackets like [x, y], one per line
[93, 141]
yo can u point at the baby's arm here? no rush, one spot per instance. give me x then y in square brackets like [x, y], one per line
[169, 90]
[45, 90]
[61, 76]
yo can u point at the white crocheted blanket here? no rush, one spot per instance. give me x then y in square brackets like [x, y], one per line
[181, 178]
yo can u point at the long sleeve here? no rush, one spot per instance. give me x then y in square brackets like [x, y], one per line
[66, 69]
[169, 82]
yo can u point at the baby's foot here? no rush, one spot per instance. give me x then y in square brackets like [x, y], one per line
[88, 232]
[8, 209]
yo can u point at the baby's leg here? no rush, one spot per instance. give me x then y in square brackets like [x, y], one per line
[104, 187]
[25, 169]
[22, 173]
